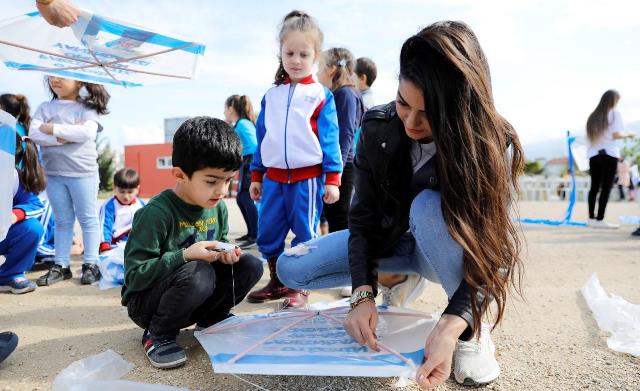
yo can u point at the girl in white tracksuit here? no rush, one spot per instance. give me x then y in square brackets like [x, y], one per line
[297, 162]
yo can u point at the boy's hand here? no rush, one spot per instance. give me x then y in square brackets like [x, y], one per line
[202, 251]
[255, 190]
[230, 257]
[331, 194]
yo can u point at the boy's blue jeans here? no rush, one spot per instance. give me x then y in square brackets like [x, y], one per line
[71, 197]
[426, 249]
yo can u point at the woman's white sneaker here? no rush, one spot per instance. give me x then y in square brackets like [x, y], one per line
[404, 293]
[475, 361]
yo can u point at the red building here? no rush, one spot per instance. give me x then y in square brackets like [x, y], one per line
[153, 163]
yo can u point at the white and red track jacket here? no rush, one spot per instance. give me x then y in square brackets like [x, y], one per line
[298, 135]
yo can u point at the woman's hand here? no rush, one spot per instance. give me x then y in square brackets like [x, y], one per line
[62, 140]
[438, 351]
[361, 323]
[46, 128]
[331, 194]
[255, 191]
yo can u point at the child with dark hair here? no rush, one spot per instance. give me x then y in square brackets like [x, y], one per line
[175, 273]
[116, 213]
[19, 246]
[66, 129]
[366, 71]
[336, 72]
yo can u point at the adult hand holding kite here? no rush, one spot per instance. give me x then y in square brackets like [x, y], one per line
[59, 13]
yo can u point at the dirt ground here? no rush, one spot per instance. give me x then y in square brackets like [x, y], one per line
[547, 341]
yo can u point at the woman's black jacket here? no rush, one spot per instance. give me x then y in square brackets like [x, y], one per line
[384, 189]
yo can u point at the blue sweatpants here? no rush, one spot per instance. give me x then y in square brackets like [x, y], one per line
[288, 206]
[19, 249]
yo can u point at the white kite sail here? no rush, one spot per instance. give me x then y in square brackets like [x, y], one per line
[97, 49]
[315, 343]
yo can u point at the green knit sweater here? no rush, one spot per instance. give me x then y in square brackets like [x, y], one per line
[160, 231]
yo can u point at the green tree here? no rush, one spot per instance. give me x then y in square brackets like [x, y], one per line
[631, 150]
[533, 167]
[106, 165]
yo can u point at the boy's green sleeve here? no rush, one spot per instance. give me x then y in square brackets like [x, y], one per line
[145, 259]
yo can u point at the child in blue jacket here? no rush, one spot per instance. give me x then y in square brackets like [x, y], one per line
[21, 243]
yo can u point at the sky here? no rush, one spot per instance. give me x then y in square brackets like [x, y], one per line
[550, 60]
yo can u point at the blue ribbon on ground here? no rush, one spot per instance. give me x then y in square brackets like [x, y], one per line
[572, 197]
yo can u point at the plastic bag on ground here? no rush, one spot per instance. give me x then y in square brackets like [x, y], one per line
[101, 372]
[614, 315]
[111, 264]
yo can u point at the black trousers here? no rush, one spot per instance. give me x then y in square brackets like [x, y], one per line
[243, 198]
[337, 214]
[197, 292]
[602, 169]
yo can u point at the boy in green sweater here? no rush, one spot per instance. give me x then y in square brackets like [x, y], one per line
[175, 273]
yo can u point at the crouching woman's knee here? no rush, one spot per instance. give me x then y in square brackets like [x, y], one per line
[291, 271]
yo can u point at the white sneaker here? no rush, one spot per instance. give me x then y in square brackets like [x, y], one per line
[404, 293]
[475, 361]
[602, 224]
[346, 291]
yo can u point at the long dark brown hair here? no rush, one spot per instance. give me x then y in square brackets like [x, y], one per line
[31, 172]
[345, 67]
[598, 121]
[242, 106]
[297, 21]
[478, 176]
[18, 106]
[96, 97]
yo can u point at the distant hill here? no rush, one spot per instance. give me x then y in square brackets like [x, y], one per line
[557, 147]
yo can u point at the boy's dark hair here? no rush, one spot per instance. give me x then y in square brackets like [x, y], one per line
[126, 178]
[366, 66]
[205, 142]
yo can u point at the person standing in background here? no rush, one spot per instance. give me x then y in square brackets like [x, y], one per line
[238, 112]
[604, 127]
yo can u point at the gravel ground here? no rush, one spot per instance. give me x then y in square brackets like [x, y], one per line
[549, 340]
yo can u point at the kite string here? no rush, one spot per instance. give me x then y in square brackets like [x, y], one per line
[248, 382]
[233, 289]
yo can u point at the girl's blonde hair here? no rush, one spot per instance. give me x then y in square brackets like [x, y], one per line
[345, 67]
[297, 21]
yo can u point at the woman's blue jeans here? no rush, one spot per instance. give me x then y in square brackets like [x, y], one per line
[426, 249]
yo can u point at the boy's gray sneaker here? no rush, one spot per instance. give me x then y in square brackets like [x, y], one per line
[163, 352]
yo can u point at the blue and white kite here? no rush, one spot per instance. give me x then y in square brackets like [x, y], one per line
[97, 49]
[315, 343]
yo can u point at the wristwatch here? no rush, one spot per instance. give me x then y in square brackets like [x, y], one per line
[359, 296]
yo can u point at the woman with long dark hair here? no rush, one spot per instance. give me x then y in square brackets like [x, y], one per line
[435, 178]
[604, 127]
